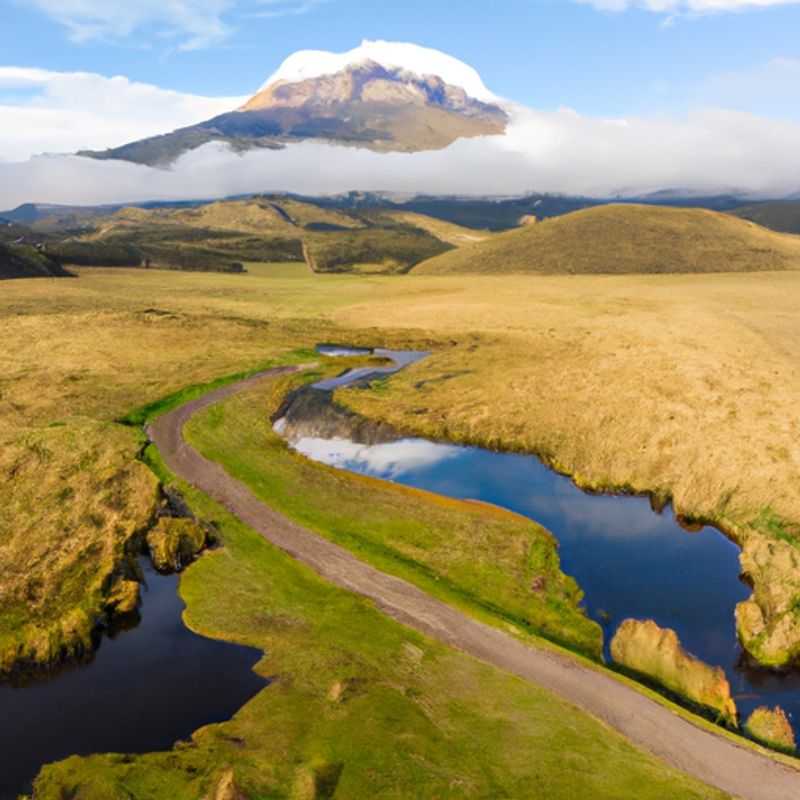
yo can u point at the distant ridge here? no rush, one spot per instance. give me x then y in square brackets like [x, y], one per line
[626, 239]
[781, 216]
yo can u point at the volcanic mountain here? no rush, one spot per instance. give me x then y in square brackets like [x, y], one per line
[366, 98]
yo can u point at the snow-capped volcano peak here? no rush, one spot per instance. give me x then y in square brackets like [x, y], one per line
[307, 64]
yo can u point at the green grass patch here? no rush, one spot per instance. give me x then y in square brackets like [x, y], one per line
[499, 566]
[361, 706]
[147, 413]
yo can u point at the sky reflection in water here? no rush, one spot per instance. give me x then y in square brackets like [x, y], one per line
[629, 560]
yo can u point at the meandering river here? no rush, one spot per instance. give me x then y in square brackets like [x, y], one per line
[630, 560]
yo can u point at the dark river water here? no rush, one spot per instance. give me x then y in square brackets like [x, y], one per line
[144, 690]
[629, 560]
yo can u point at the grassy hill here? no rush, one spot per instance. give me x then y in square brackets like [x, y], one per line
[217, 236]
[780, 216]
[627, 239]
[22, 261]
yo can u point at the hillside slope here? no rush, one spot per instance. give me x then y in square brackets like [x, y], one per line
[224, 234]
[627, 239]
[781, 216]
[27, 262]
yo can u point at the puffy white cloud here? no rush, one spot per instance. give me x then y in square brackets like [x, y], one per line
[192, 24]
[705, 150]
[686, 6]
[545, 151]
[69, 111]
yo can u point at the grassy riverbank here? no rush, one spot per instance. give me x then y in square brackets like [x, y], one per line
[684, 385]
[362, 707]
[484, 559]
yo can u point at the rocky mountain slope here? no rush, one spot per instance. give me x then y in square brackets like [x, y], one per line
[365, 103]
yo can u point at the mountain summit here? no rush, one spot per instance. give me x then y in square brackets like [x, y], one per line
[381, 96]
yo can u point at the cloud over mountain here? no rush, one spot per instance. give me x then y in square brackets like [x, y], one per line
[558, 151]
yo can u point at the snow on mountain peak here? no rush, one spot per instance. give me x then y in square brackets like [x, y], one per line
[306, 64]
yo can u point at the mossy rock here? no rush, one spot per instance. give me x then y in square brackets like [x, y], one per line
[174, 543]
[656, 653]
[771, 727]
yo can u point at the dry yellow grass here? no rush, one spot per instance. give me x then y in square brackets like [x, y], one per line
[617, 239]
[448, 232]
[257, 216]
[681, 385]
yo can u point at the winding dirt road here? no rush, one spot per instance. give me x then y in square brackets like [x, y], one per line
[718, 761]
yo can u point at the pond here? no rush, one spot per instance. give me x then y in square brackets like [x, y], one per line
[144, 689]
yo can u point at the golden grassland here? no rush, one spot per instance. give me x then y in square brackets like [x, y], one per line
[626, 239]
[683, 386]
[83, 353]
[680, 385]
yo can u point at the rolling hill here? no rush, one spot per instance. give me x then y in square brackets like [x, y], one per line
[781, 216]
[626, 239]
[270, 228]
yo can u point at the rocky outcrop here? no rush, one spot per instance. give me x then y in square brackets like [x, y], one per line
[175, 542]
[656, 653]
[771, 727]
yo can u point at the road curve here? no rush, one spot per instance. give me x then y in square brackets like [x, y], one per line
[718, 761]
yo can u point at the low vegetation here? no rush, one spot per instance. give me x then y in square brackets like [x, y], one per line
[771, 727]
[603, 376]
[656, 654]
[24, 261]
[395, 248]
[488, 560]
[360, 706]
[225, 235]
[627, 239]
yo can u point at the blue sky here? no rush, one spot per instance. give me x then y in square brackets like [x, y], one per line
[617, 96]
[545, 53]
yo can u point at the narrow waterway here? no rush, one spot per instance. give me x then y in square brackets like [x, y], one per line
[144, 689]
[630, 560]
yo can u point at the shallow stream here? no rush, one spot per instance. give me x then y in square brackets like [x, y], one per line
[629, 560]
